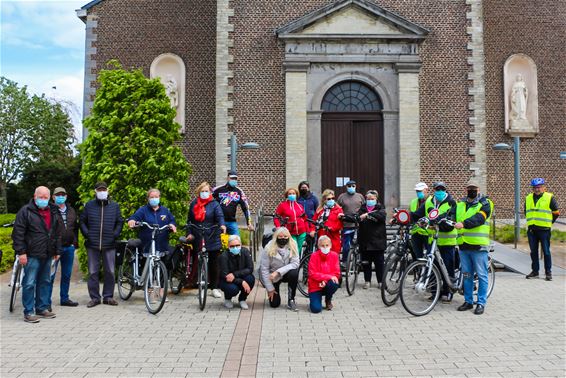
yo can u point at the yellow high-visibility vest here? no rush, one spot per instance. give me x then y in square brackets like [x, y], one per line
[474, 236]
[444, 238]
[539, 214]
[416, 229]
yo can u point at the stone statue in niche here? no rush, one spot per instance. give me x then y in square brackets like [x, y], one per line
[519, 98]
[172, 91]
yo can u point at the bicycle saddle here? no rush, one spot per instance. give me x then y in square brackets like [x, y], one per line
[183, 240]
[134, 243]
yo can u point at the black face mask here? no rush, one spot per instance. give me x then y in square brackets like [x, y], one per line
[282, 242]
[472, 193]
[304, 192]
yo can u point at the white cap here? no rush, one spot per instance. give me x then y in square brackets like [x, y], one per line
[421, 186]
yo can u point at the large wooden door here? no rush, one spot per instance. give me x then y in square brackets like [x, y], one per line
[352, 147]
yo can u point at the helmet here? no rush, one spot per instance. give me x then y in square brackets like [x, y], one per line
[421, 186]
[537, 181]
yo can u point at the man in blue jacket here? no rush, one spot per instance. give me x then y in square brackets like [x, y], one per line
[101, 225]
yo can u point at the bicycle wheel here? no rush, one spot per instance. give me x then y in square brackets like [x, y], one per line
[392, 273]
[178, 273]
[352, 269]
[125, 281]
[491, 277]
[202, 281]
[303, 283]
[155, 288]
[15, 287]
[420, 288]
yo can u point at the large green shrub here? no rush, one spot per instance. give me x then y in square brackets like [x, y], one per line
[6, 242]
[131, 144]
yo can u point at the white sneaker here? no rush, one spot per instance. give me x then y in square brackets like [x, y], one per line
[216, 293]
[228, 304]
[244, 305]
[379, 285]
[367, 285]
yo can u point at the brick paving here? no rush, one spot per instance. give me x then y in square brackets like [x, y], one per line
[521, 334]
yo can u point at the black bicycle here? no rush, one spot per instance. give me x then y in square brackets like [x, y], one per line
[307, 250]
[202, 270]
[183, 261]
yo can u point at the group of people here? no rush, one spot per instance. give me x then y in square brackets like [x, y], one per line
[46, 230]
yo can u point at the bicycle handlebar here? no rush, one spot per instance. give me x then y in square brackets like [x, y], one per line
[152, 226]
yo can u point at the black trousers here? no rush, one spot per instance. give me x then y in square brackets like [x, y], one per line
[213, 269]
[292, 278]
[377, 258]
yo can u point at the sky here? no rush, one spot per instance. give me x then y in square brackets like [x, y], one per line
[42, 47]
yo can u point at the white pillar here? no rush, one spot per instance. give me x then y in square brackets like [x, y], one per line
[295, 123]
[409, 131]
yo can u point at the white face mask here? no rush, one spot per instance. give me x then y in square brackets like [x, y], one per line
[325, 250]
[103, 196]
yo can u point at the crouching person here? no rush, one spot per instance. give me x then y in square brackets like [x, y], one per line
[236, 273]
[280, 263]
[324, 272]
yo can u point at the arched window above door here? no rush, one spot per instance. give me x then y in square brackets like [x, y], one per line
[351, 96]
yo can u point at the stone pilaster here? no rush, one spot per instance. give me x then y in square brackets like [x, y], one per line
[89, 91]
[224, 73]
[477, 92]
[295, 123]
[409, 131]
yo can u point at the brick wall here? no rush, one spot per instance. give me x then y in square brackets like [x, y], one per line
[137, 31]
[259, 90]
[537, 29]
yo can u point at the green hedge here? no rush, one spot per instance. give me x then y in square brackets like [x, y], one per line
[506, 234]
[6, 242]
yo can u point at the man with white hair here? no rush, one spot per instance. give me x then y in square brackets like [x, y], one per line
[236, 273]
[37, 241]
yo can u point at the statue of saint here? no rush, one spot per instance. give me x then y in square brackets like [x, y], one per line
[171, 90]
[519, 96]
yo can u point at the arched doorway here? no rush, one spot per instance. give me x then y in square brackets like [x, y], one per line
[352, 137]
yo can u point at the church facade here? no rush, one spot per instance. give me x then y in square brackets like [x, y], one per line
[384, 92]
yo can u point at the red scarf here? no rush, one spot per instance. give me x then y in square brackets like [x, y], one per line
[199, 210]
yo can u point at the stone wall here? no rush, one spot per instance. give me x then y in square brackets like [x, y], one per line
[537, 29]
[136, 35]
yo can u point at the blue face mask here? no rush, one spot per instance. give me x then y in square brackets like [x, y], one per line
[154, 202]
[41, 203]
[420, 195]
[235, 250]
[330, 203]
[292, 197]
[233, 183]
[440, 195]
[59, 200]
[351, 190]
[371, 203]
[204, 195]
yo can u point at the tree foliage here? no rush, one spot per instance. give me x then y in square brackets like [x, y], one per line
[131, 143]
[32, 128]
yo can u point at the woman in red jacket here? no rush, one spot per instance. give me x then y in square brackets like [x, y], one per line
[294, 216]
[324, 271]
[330, 212]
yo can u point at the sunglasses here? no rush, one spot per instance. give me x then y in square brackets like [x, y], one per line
[235, 245]
[351, 186]
[329, 198]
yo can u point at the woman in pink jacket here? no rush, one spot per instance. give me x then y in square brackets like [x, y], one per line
[294, 217]
[324, 272]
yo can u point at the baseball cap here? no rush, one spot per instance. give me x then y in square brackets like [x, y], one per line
[351, 182]
[421, 186]
[472, 184]
[100, 185]
[59, 190]
[232, 173]
[439, 184]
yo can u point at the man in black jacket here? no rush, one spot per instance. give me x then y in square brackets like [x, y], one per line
[101, 224]
[37, 240]
[69, 239]
[236, 273]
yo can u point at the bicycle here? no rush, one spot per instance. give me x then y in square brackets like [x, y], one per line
[399, 254]
[183, 272]
[354, 261]
[202, 270]
[153, 278]
[421, 282]
[307, 251]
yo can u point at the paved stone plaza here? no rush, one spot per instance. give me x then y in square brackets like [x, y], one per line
[521, 334]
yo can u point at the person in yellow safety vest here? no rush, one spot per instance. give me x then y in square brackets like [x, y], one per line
[447, 237]
[541, 211]
[473, 214]
[419, 235]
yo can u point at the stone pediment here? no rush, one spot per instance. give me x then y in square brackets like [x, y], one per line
[352, 19]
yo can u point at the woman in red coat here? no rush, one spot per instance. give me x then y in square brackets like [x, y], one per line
[324, 272]
[294, 216]
[330, 212]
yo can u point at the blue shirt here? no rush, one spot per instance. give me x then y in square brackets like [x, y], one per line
[161, 216]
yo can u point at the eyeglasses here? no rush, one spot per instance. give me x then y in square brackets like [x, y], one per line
[235, 245]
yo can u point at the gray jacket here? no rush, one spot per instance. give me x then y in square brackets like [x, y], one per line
[280, 263]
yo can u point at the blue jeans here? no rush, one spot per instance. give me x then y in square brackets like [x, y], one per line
[472, 261]
[347, 236]
[315, 297]
[232, 228]
[36, 285]
[66, 260]
[542, 236]
[231, 289]
[420, 244]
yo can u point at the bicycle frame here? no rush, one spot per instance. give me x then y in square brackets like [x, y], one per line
[432, 255]
[152, 257]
